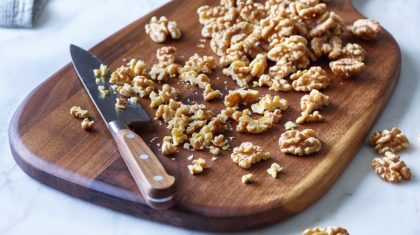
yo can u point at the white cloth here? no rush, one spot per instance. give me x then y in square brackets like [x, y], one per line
[19, 13]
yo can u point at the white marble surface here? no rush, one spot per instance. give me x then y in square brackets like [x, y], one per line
[359, 200]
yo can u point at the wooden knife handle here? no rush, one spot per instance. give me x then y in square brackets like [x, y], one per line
[157, 187]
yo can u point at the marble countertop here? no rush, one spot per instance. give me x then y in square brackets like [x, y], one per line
[359, 200]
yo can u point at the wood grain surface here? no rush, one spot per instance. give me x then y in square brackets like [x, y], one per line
[50, 146]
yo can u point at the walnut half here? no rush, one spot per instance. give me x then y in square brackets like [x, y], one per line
[247, 154]
[391, 168]
[392, 141]
[335, 230]
[299, 142]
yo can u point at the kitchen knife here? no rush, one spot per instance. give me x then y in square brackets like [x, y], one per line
[155, 184]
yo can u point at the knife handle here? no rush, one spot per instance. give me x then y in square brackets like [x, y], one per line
[156, 185]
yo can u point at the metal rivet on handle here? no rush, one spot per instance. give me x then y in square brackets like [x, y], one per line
[158, 177]
[130, 135]
[144, 156]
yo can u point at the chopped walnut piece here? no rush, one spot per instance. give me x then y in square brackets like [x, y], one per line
[166, 54]
[388, 141]
[289, 125]
[143, 86]
[258, 65]
[248, 178]
[240, 72]
[299, 142]
[165, 94]
[291, 49]
[126, 90]
[138, 67]
[281, 70]
[159, 29]
[104, 92]
[121, 103]
[269, 103]
[87, 124]
[365, 28]
[214, 150]
[274, 170]
[122, 75]
[210, 94]
[325, 45]
[275, 83]
[195, 79]
[232, 56]
[247, 154]
[241, 96]
[220, 141]
[197, 167]
[306, 117]
[101, 72]
[201, 139]
[329, 22]
[78, 112]
[200, 64]
[308, 80]
[347, 67]
[314, 101]
[167, 147]
[247, 124]
[164, 71]
[326, 231]
[391, 168]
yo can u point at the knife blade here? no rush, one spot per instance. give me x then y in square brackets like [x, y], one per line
[155, 184]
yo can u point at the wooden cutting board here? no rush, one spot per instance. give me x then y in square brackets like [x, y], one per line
[51, 147]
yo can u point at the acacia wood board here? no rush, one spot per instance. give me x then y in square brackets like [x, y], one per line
[50, 146]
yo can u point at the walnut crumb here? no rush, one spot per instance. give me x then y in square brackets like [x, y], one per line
[248, 178]
[248, 154]
[391, 168]
[197, 167]
[274, 170]
[121, 103]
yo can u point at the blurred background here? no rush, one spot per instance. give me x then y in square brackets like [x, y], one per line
[359, 201]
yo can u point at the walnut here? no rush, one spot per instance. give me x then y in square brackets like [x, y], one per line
[167, 147]
[329, 22]
[365, 28]
[104, 92]
[200, 64]
[202, 139]
[269, 103]
[101, 72]
[198, 166]
[247, 154]
[274, 170]
[165, 94]
[159, 29]
[326, 231]
[315, 100]
[210, 94]
[308, 9]
[166, 55]
[126, 90]
[255, 126]
[78, 112]
[308, 80]
[232, 56]
[121, 103]
[168, 111]
[290, 49]
[276, 84]
[289, 125]
[87, 124]
[347, 67]
[353, 51]
[240, 72]
[214, 150]
[164, 71]
[195, 79]
[248, 178]
[326, 45]
[220, 141]
[252, 12]
[138, 67]
[143, 86]
[388, 141]
[241, 96]
[215, 19]
[258, 65]
[306, 117]
[133, 100]
[391, 168]
[281, 70]
[122, 75]
[178, 136]
[299, 142]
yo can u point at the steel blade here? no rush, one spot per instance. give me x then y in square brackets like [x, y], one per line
[84, 63]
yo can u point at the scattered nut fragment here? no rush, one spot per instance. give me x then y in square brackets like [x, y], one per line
[143, 86]
[121, 103]
[347, 67]
[310, 104]
[101, 72]
[289, 125]
[214, 150]
[258, 65]
[126, 90]
[269, 103]
[306, 117]
[241, 96]
[391, 168]
[247, 154]
[200, 64]
[197, 167]
[220, 141]
[121, 75]
[240, 72]
[393, 141]
[299, 142]
[138, 67]
[210, 94]
[335, 230]
[274, 170]
[104, 92]
[159, 29]
[167, 147]
[163, 96]
[308, 80]
[365, 28]
[87, 124]
[166, 54]
[248, 178]
[78, 112]
[247, 124]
